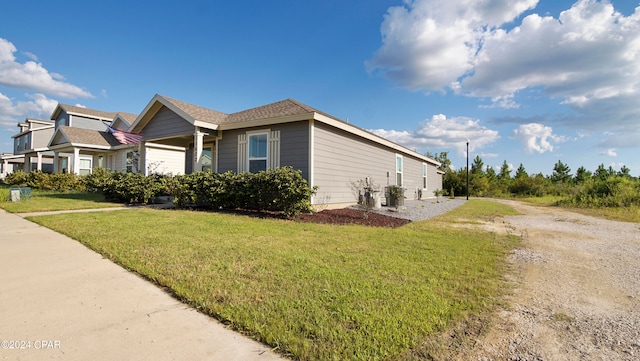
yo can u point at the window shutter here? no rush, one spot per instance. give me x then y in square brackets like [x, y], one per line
[242, 153]
[274, 149]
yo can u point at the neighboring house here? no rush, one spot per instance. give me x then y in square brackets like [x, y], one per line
[82, 141]
[31, 142]
[181, 138]
[9, 163]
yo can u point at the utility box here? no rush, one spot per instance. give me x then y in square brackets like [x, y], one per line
[18, 194]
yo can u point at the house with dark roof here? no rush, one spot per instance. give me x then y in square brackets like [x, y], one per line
[182, 138]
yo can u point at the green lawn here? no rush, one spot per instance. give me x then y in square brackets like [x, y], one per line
[42, 201]
[313, 292]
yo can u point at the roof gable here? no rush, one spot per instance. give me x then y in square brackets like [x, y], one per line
[65, 135]
[194, 114]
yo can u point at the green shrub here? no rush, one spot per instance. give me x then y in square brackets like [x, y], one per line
[283, 189]
[614, 191]
[17, 179]
[46, 181]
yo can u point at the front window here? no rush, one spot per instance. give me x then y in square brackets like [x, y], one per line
[85, 166]
[131, 161]
[399, 170]
[424, 175]
[206, 159]
[258, 152]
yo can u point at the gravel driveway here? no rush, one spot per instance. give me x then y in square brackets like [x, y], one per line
[576, 290]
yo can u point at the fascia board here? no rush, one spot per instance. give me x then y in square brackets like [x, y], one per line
[90, 146]
[85, 115]
[163, 146]
[201, 124]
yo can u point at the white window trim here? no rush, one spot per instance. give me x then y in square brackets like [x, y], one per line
[90, 159]
[249, 158]
[425, 170]
[401, 171]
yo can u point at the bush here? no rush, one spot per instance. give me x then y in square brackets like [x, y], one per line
[614, 191]
[46, 181]
[17, 179]
[283, 189]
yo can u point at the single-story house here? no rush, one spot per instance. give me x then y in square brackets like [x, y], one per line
[181, 138]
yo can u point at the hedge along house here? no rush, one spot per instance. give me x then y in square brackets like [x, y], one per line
[82, 140]
[182, 138]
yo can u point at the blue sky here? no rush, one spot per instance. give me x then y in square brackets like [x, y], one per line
[526, 81]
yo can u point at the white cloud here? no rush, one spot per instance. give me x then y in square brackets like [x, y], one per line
[611, 152]
[440, 132]
[586, 58]
[30, 55]
[33, 76]
[431, 44]
[39, 106]
[537, 137]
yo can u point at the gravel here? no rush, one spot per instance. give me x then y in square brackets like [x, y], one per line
[417, 210]
[576, 291]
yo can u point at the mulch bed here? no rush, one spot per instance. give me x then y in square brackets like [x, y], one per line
[353, 216]
[327, 216]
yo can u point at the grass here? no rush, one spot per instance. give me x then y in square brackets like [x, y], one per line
[42, 201]
[312, 291]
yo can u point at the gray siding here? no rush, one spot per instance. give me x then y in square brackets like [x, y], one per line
[165, 124]
[87, 123]
[341, 158]
[294, 147]
[41, 138]
[434, 179]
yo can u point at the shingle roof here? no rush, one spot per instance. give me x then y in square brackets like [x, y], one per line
[278, 109]
[198, 112]
[88, 136]
[92, 112]
[128, 117]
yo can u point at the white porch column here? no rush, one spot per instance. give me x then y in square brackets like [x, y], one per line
[56, 162]
[76, 161]
[197, 151]
[39, 166]
[142, 159]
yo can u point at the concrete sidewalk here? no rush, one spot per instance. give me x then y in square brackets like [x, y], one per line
[62, 301]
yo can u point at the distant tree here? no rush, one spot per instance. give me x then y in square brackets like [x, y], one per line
[624, 171]
[601, 173]
[478, 166]
[582, 174]
[561, 173]
[521, 173]
[491, 173]
[443, 159]
[505, 172]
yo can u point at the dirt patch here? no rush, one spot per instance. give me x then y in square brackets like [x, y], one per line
[353, 216]
[575, 292]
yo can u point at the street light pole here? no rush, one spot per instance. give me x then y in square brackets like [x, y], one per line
[467, 169]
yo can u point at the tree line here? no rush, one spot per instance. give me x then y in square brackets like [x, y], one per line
[604, 186]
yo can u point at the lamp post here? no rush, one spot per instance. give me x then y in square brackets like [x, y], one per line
[467, 169]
